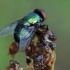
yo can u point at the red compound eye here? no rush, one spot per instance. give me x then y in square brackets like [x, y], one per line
[44, 14]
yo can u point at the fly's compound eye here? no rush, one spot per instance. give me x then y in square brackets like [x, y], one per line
[41, 13]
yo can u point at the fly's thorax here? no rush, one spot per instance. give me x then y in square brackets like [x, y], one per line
[31, 18]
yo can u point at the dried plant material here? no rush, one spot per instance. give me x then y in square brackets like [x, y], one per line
[13, 49]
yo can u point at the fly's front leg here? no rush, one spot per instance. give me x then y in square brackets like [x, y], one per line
[44, 26]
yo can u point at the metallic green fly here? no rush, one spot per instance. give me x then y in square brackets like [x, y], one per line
[25, 28]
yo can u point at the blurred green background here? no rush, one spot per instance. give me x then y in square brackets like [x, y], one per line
[58, 20]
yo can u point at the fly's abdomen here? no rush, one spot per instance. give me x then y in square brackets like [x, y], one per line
[24, 33]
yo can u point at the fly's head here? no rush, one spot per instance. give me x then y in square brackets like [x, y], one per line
[41, 13]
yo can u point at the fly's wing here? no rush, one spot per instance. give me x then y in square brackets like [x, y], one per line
[8, 29]
[27, 37]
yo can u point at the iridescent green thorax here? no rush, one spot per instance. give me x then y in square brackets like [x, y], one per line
[31, 18]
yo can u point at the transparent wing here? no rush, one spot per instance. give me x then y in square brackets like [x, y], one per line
[27, 38]
[8, 29]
